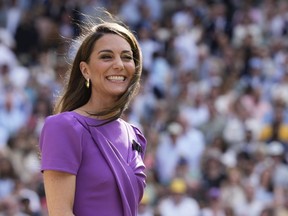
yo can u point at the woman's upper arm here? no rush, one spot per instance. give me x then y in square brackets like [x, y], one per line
[59, 190]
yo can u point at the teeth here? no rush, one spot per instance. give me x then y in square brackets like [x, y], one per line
[116, 78]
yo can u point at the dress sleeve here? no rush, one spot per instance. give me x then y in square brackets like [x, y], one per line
[137, 161]
[141, 140]
[60, 145]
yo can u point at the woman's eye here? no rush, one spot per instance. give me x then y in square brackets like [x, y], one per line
[128, 57]
[105, 57]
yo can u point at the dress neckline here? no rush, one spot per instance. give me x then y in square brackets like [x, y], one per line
[90, 120]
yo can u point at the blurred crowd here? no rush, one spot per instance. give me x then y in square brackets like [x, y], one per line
[213, 103]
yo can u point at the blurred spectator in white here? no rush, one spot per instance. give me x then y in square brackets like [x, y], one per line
[66, 29]
[178, 202]
[7, 57]
[232, 192]
[168, 145]
[14, 13]
[155, 8]
[191, 146]
[234, 131]
[44, 71]
[280, 168]
[195, 110]
[185, 45]
[183, 19]
[129, 12]
[251, 205]
[19, 76]
[249, 144]
[269, 68]
[275, 166]
[223, 100]
[276, 19]
[160, 75]
[148, 45]
[246, 27]
[11, 117]
[7, 39]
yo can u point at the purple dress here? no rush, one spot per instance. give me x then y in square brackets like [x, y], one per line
[107, 161]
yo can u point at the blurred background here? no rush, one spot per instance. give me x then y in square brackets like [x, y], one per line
[212, 105]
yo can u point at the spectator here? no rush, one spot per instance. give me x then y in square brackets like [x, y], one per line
[8, 177]
[178, 203]
[251, 206]
[168, 145]
[232, 192]
[214, 206]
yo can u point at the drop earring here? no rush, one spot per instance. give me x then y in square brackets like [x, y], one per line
[87, 83]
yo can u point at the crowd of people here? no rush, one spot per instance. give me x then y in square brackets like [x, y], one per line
[213, 102]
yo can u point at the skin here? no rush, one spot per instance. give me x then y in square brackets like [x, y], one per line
[110, 70]
[59, 189]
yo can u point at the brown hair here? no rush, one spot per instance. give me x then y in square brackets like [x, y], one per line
[75, 92]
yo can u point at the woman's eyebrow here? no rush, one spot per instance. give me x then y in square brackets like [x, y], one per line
[110, 51]
[105, 51]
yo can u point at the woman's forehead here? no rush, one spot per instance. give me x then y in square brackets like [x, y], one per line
[112, 42]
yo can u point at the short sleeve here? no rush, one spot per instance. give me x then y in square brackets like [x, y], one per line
[61, 144]
[137, 162]
[140, 139]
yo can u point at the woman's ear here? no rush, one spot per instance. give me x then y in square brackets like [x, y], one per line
[84, 69]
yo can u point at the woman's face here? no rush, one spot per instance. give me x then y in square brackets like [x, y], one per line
[110, 68]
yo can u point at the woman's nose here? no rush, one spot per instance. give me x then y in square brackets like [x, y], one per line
[118, 64]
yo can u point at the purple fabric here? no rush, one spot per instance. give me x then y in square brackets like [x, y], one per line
[110, 174]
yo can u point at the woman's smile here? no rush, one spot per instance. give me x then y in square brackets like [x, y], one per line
[116, 78]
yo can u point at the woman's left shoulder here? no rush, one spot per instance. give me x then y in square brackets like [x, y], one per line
[137, 130]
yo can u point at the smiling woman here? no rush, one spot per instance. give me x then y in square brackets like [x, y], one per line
[107, 42]
[86, 168]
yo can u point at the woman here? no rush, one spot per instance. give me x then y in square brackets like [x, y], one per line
[92, 160]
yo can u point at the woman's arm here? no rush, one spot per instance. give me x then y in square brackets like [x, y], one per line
[60, 190]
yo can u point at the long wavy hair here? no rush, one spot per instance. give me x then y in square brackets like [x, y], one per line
[75, 93]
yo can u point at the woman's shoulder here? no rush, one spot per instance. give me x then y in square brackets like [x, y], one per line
[137, 130]
[61, 120]
[63, 117]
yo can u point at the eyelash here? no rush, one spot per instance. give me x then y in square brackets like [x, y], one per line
[109, 57]
[105, 57]
[128, 57]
